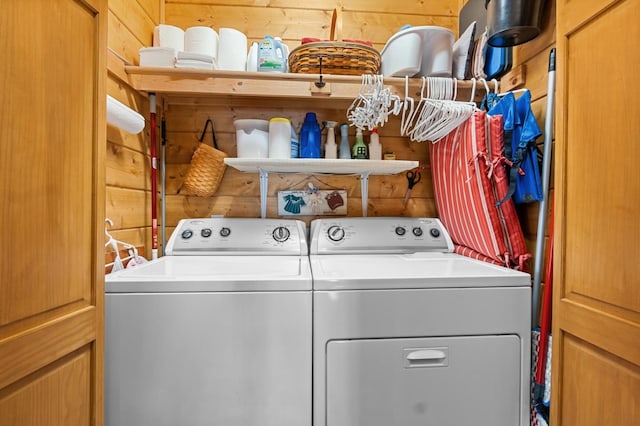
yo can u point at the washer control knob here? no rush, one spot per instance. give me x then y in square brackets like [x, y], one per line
[206, 232]
[336, 233]
[187, 233]
[225, 232]
[435, 232]
[417, 231]
[400, 231]
[281, 234]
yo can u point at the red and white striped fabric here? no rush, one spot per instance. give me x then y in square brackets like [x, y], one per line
[465, 192]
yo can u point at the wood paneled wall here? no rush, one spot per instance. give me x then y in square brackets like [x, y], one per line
[131, 24]
[238, 194]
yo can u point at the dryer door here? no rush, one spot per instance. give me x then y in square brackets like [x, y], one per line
[453, 381]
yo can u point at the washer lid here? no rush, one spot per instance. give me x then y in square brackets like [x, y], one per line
[175, 274]
[417, 270]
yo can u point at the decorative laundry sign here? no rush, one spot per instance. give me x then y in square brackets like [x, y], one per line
[312, 202]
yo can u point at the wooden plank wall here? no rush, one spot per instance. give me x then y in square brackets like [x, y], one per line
[131, 24]
[238, 194]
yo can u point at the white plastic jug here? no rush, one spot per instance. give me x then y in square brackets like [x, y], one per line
[271, 56]
[252, 57]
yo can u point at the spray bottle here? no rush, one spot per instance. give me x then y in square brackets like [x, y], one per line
[330, 147]
[345, 149]
[359, 150]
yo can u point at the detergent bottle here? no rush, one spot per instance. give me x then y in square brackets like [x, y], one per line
[310, 137]
[285, 52]
[270, 55]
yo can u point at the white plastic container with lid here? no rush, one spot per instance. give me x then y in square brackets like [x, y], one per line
[279, 138]
[252, 138]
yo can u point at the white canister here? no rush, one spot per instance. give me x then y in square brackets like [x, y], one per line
[232, 50]
[279, 138]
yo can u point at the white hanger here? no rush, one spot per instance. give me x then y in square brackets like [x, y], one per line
[133, 251]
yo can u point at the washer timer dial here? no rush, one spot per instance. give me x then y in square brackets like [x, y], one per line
[336, 233]
[281, 234]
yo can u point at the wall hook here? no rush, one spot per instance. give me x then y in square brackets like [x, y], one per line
[320, 84]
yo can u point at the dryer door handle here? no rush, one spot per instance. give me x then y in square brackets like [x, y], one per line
[426, 357]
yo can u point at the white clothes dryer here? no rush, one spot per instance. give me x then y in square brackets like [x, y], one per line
[406, 332]
[217, 332]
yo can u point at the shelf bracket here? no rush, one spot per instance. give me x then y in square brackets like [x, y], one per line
[364, 192]
[264, 186]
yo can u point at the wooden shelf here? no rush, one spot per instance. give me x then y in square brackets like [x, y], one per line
[364, 168]
[180, 81]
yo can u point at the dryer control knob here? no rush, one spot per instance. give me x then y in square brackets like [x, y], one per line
[187, 233]
[400, 231]
[281, 234]
[225, 232]
[417, 231]
[336, 233]
[206, 232]
[435, 232]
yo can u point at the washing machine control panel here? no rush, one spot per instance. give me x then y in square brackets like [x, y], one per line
[242, 236]
[379, 235]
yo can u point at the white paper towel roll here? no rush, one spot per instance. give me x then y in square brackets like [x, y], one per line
[123, 117]
[203, 40]
[232, 50]
[168, 36]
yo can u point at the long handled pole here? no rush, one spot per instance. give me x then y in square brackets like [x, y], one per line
[546, 174]
[154, 169]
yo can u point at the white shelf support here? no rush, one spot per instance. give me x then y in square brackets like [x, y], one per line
[264, 187]
[364, 192]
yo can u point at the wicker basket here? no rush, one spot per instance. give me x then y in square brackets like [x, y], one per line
[206, 169]
[338, 57]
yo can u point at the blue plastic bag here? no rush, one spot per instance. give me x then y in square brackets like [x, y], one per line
[520, 132]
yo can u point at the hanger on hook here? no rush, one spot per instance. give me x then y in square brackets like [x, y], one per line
[514, 91]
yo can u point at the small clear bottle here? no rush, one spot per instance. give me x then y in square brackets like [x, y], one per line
[345, 148]
[359, 150]
[375, 149]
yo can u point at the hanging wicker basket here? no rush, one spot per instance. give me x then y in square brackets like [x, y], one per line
[335, 56]
[206, 169]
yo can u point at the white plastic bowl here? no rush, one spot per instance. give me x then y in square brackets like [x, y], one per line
[424, 51]
[252, 138]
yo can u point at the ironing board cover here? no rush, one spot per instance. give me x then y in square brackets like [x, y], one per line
[467, 182]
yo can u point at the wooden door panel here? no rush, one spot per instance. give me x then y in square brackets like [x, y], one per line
[598, 388]
[596, 308]
[59, 395]
[47, 133]
[603, 177]
[52, 143]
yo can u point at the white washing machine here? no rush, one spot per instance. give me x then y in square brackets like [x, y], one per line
[217, 332]
[408, 333]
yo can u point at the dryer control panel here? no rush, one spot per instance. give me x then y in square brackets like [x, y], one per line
[379, 235]
[241, 236]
